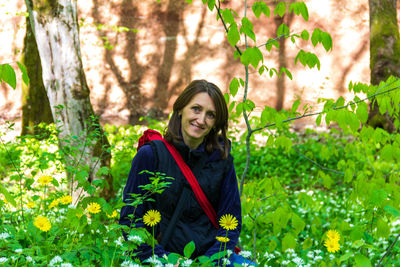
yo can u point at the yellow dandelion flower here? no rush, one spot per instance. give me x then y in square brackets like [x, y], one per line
[222, 239]
[54, 203]
[228, 222]
[66, 199]
[332, 245]
[42, 223]
[113, 214]
[152, 217]
[45, 179]
[333, 235]
[30, 205]
[93, 208]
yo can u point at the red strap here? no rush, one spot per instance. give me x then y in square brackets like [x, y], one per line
[198, 192]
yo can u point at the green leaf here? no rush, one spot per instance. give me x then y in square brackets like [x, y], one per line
[234, 87]
[7, 195]
[25, 77]
[228, 16]
[288, 242]
[295, 105]
[305, 35]
[288, 73]
[307, 243]
[318, 120]
[298, 223]
[211, 4]
[188, 250]
[247, 28]
[233, 35]
[392, 210]
[283, 30]
[270, 43]
[382, 229]
[303, 10]
[260, 7]
[316, 36]
[7, 74]
[280, 9]
[253, 56]
[326, 40]
[362, 261]
[362, 111]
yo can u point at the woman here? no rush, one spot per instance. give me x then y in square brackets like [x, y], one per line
[197, 129]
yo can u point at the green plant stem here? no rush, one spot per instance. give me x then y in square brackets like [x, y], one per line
[388, 250]
[153, 242]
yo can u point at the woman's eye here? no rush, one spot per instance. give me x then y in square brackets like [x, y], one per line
[211, 115]
[196, 109]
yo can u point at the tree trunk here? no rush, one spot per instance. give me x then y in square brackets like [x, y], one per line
[55, 26]
[384, 52]
[35, 104]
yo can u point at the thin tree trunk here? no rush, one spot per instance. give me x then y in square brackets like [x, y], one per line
[35, 104]
[55, 27]
[384, 52]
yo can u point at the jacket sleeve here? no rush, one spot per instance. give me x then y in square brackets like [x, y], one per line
[143, 160]
[229, 204]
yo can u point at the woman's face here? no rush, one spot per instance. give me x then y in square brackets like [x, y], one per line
[198, 118]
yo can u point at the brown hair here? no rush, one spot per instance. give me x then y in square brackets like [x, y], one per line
[212, 142]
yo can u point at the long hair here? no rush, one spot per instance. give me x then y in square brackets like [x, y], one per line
[218, 132]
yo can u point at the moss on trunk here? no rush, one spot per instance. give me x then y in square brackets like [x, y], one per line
[35, 104]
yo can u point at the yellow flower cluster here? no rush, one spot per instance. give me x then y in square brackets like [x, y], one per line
[332, 241]
[151, 218]
[42, 223]
[45, 179]
[93, 207]
[62, 200]
[30, 205]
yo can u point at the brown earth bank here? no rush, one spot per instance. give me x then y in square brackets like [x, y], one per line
[138, 55]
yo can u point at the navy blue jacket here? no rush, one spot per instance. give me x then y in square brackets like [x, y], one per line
[218, 181]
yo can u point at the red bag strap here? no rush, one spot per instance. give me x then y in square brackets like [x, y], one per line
[150, 135]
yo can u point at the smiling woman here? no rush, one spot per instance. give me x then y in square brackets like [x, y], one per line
[197, 130]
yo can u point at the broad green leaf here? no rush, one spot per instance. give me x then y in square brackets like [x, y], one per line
[326, 40]
[316, 36]
[211, 4]
[382, 228]
[318, 120]
[228, 16]
[392, 211]
[307, 243]
[247, 28]
[270, 43]
[346, 256]
[283, 30]
[234, 87]
[280, 9]
[387, 153]
[249, 105]
[260, 7]
[7, 195]
[233, 35]
[25, 77]
[188, 250]
[298, 223]
[226, 97]
[362, 261]
[7, 74]
[303, 10]
[189, 1]
[253, 56]
[239, 108]
[288, 73]
[305, 35]
[295, 105]
[362, 111]
[288, 242]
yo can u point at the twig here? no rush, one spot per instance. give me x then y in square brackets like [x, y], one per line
[388, 250]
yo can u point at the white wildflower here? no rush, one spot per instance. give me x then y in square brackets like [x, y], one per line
[118, 242]
[247, 254]
[129, 264]
[285, 262]
[226, 261]
[29, 259]
[135, 238]
[187, 262]
[317, 258]
[18, 250]
[298, 261]
[67, 264]
[3, 259]
[4, 235]
[55, 260]
[317, 251]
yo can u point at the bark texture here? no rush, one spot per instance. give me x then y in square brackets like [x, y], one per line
[35, 104]
[55, 27]
[384, 52]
